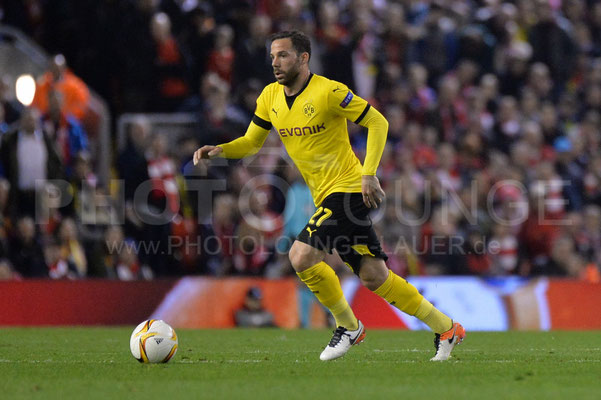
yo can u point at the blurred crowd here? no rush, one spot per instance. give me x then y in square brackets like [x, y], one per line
[492, 165]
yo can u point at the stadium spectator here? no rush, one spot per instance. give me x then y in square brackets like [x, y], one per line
[218, 236]
[513, 70]
[588, 239]
[71, 249]
[96, 213]
[59, 266]
[112, 245]
[560, 260]
[244, 107]
[257, 234]
[75, 93]
[199, 37]
[131, 162]
[503, 250]
[477, 257]
[434, 42]
[171, 67]
[28, 156]
[12, 108]
[552, 42]
[334, 44]
[252, 314]
[489, 92]
[217, 118]
[392, 52]
[221, 59]
[441, 246]
[133, 171]
[26, 253]
[423, 97]
[119, 256]
[4, 198]
[529, 106]
[27, 16]
[162, 173]
[252, 60]
[83, 186]
[65, 130]
[447, 172]
[7, 272]
[449, 115]
[592, 181]
[128, 266]
[137, 52]
[162, 203]
[507, 127]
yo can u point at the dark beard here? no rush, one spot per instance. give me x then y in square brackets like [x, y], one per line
[291, 76]
[289, 80]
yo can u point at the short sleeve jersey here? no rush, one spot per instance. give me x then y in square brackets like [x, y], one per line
[313, 127]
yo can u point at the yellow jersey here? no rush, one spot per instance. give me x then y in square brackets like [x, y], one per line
[313, 127]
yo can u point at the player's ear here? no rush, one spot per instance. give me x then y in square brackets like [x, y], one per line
[305, 57]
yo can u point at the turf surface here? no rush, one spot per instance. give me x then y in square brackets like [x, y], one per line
[95, 363]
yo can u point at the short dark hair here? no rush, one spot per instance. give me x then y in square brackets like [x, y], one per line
[300, 41]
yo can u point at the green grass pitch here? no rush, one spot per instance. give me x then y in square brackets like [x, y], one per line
[95, 363]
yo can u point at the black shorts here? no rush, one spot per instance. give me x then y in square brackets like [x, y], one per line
[342, 222]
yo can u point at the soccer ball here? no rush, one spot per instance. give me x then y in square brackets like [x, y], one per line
[153, 341]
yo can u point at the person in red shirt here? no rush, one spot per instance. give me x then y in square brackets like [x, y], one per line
[221, 59]
[170, 65]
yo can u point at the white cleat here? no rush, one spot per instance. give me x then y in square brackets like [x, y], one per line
[342, 341]
[445, 342]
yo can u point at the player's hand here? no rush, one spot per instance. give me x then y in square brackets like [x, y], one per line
[206, 152]
[372, 191]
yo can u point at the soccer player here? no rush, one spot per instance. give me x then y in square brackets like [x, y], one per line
[309, 113]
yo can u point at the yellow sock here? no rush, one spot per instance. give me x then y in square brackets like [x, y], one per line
[432, 317]
[400, 293]
[324, 283]
[344, 315]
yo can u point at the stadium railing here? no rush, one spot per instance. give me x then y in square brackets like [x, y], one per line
[176, 125]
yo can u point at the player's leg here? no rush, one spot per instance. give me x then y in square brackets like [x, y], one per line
[321, 279]
[398, 292]
[376, 276]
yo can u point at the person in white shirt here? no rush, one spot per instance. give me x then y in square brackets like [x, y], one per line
[29, 158]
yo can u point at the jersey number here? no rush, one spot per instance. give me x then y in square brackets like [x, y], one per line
[327, 213]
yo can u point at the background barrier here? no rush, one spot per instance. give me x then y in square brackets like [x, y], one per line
[43, 302]
[198, 302]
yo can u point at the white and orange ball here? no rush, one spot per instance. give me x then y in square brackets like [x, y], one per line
[153, 341]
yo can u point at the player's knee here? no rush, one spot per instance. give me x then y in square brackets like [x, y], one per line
[300, 258]
[370, 282]
[295, 258]
[373, 274]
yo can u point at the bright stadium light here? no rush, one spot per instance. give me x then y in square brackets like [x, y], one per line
[25, 88]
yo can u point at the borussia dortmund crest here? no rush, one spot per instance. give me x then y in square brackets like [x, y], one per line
[308, 109]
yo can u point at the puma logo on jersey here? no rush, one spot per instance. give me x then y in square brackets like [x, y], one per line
[337, 89]
[311, 232]
[275, 111]
[305, 130]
